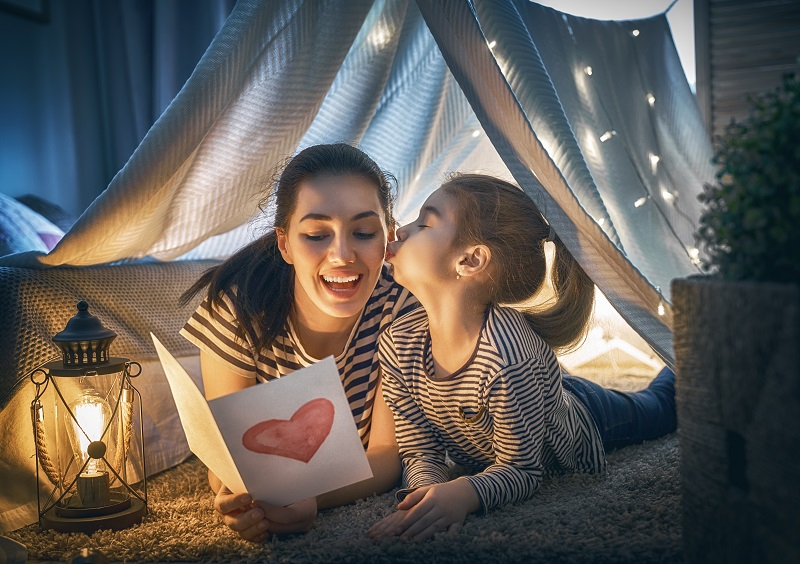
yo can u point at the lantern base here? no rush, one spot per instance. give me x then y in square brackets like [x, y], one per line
[133, 514]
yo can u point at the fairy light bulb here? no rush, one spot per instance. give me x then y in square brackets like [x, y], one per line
[476, 132]
[694, 255]
[654, 160]
[640, 202]
[668, 196]
[601, 221]
[661, 308]
[651, 99]
[492, 44]
[635, 33]
[607, 135]
[588, 70]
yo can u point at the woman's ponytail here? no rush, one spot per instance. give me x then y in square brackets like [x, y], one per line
[259, 283]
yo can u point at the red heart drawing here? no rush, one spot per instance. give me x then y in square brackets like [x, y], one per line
[299, 438]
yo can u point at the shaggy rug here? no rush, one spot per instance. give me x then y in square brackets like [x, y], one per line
[630, 514]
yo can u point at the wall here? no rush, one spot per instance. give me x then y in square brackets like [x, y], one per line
[743, 47]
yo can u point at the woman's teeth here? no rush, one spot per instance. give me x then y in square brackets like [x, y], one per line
[341, 282]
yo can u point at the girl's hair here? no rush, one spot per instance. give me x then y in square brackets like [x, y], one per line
[262, 280]
[499, 215]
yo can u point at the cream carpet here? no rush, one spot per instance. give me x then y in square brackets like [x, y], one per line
[630, 514]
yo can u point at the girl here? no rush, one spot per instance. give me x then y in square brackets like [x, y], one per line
[479, 382]
[314, 286]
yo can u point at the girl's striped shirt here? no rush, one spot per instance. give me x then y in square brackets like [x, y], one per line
[504, 414]
[213, 329]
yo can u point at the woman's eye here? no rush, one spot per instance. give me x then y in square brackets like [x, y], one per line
[422, 226]
[310, 237]
[365, 236]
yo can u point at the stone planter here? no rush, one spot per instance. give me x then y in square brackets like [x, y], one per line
[737, 364]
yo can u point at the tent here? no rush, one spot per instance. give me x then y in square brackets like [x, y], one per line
[593, 119]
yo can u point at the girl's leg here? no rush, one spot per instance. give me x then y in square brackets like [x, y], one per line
[627, 418]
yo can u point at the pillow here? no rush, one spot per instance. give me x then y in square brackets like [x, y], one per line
[55, 213]
[22, 229]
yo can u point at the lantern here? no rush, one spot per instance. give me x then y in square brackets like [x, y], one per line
[85, 433]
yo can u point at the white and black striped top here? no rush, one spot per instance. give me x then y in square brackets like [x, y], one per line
[213, 329]
[504, 414]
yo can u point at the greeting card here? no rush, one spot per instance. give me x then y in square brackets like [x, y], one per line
[281, 441]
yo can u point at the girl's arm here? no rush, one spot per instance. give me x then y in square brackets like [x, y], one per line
[517, 405]
[382, 456]
[422, 455]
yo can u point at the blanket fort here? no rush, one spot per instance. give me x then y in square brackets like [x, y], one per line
[282, 441]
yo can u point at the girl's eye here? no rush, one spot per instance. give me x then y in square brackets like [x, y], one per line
[422, 226]
[314, 237]
[365, 236]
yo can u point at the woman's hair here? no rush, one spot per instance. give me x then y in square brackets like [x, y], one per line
[498, 214]
[262, 281]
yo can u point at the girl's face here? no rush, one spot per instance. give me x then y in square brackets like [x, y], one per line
[423, 255]
[336, 240]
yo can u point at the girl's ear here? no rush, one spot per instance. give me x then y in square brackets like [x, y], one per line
[285, 252]
[475, 260]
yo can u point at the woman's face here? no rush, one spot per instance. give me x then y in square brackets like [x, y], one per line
[336, 240]
[423, 256]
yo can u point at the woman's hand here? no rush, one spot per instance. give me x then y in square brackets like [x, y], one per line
[241, 515]
[430, 510]
[256, 521]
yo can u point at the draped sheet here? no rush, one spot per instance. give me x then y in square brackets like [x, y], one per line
[425, 87]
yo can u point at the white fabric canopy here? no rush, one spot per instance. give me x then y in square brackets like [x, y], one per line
[425, 88]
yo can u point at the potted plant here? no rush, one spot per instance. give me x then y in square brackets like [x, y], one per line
[737, 346]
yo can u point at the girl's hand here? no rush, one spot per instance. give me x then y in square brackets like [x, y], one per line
[430, 510]
[387, 526]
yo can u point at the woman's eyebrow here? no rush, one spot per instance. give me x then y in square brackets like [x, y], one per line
[323, 217]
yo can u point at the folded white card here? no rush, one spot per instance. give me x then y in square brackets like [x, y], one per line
[282, 441]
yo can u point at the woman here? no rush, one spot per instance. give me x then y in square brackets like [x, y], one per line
[474, 380]
[314, 286]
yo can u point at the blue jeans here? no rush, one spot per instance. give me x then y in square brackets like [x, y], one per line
[628, 418]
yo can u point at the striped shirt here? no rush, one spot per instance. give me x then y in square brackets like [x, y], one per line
[213, 329]
[504, 414]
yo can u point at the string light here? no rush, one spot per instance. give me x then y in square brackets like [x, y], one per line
[492, 44]
[694, 255]
[607, 135]
[601, 221]
[641, 201]
[635, 33]
[654, 162]
[668, 196]
[651, 99]
[588, 70]
[661, 309]
[476, 132]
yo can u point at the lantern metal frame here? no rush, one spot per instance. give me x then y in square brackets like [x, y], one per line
[121, 505]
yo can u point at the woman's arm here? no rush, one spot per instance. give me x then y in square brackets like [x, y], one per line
[382, 455]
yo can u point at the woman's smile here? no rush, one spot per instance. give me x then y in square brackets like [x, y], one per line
[341, 284]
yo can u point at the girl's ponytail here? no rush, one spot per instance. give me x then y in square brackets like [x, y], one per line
[562, 324]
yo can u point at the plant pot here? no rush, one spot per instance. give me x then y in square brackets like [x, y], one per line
[737, 365]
